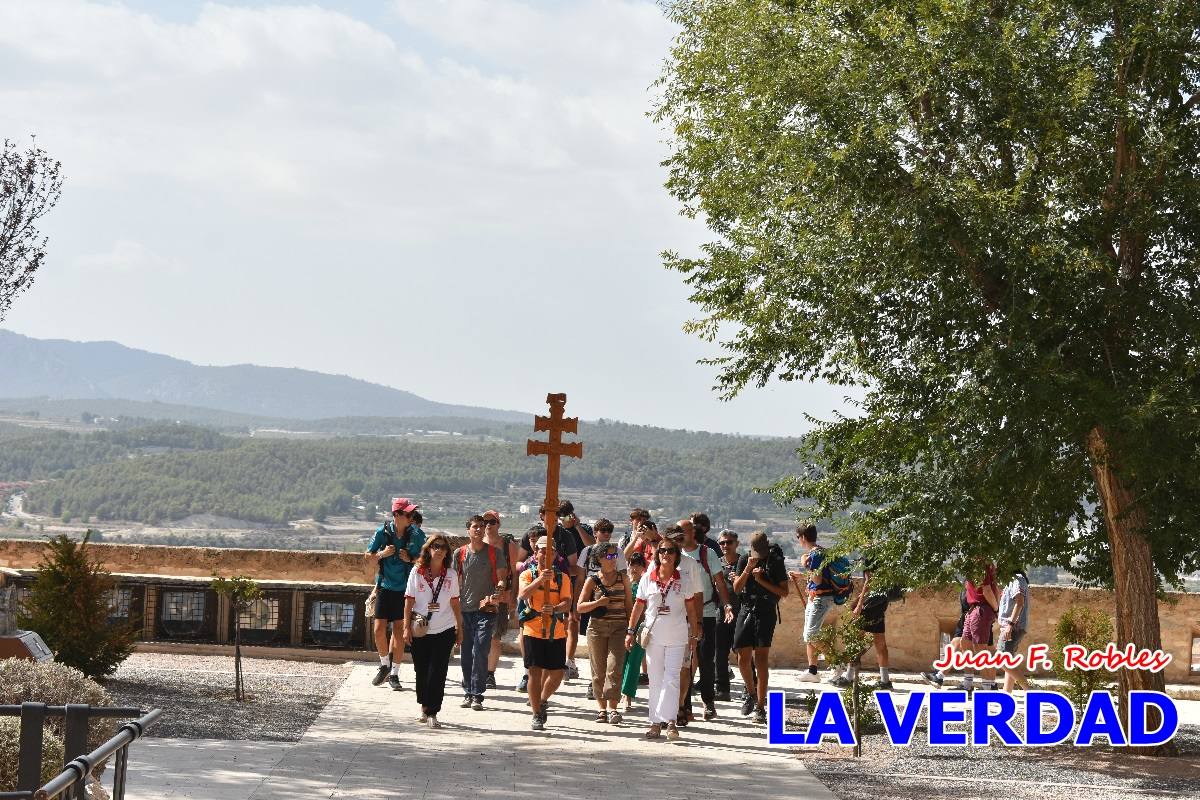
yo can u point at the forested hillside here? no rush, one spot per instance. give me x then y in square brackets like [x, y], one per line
[127, 475]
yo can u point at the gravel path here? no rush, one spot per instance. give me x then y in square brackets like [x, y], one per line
[922, 772]
[196, 695]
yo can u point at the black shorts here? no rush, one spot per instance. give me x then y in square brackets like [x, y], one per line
[545, 653]
[754, 629]
[873, 612]
[389, 605]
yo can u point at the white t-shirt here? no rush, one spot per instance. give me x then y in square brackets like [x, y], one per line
[421, 591]
[693, 575]
[670, 628]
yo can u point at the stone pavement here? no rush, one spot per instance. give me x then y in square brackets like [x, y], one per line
[368, 744]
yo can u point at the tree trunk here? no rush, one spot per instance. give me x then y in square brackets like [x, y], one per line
[1134, 581]
[238, 691]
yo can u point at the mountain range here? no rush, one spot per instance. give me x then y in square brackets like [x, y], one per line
[61, 370]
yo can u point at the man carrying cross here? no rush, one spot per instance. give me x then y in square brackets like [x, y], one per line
[545, 591]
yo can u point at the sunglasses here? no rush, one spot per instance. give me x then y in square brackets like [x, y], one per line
[610, 556]
[490, 522]
[668, 551]
[438, 546]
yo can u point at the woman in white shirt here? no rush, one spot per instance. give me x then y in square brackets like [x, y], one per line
[431, 602]
[662, 595]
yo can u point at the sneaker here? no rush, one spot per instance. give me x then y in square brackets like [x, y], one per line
[491, 680]
[478, 704]
[433, 723]
[572, 671]
[840, 681]
[991, 687]
[537, 724]
[710, 714]
[394, 682]
[524, 684]
[883, 686]
[381, 675]
[809, 677]
[467, 701]
[591, 695]
[672, 733]
[933, 679]
[760, 716]
[748, 706]
[722, 695]
[614, 718]
[545, 709]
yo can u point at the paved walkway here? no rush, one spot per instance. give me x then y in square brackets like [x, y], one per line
[367, 744]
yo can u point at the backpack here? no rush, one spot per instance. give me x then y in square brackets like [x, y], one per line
[712, 596]
[835, 574]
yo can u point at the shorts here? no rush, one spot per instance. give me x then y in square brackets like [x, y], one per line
[1009, 644]
[814, 615]
[389, 604]
[873, 612]
[977, 627]
[545, 653]
[502, 621]
[958, 630]
[754, 629]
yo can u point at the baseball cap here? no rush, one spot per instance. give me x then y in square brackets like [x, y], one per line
[403, 505]
[492, 513]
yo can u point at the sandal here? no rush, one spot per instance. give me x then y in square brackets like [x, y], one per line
[614, 717]
[681, 719]
[672, 732]
[655, 732]
[602, 716]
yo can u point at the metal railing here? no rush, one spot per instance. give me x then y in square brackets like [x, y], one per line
[72, 781]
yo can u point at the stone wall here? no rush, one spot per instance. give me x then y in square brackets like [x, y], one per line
[915, 625]
[202, 562]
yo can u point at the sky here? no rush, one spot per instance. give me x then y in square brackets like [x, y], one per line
[460, 198]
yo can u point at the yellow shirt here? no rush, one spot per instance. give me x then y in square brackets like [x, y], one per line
[544, 626]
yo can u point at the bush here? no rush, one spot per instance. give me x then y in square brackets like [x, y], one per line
[10, 750]
[69, 607]
[1090, 628]
[55, 684]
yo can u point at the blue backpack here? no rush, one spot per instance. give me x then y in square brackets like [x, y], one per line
[835, 576]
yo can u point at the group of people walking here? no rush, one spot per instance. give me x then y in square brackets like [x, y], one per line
[663, 609]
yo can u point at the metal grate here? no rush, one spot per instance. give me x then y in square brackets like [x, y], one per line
[119, 601]
[328, 616]
[261, 615]
[183, 606]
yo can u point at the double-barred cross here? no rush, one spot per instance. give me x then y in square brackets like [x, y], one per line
[554, 449]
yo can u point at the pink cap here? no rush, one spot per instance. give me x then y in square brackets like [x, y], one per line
[403, 505]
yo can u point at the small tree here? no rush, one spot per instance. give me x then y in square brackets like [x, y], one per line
[30, 186]
[843, 642]
[69, 607]
[1089, 628]
[242, 592]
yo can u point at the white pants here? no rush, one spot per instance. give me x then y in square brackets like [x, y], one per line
[663, 664]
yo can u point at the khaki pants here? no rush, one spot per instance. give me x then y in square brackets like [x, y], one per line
[606, 651]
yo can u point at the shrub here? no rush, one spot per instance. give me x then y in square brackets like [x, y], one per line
[69, 607]
[1090, 628]
[55, 684]
[10, 750]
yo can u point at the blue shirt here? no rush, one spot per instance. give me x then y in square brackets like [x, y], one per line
[393, 573]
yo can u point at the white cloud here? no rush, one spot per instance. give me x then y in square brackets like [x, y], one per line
[129, 257]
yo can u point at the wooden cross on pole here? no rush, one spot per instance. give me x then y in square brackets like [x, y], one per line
[557, 425]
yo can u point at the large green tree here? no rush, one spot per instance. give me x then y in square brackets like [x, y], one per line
[986, 214]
